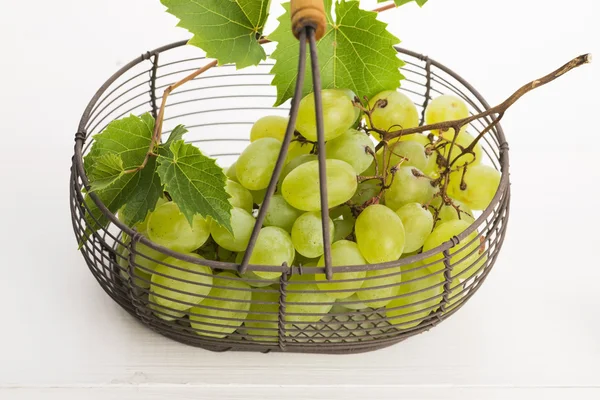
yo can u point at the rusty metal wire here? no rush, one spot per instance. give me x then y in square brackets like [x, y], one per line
[289, 318]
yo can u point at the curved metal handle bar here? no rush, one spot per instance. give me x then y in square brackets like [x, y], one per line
[310, 33]
[314, 62]
[281, 157]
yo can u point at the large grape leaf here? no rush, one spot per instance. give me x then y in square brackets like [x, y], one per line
[122, 146]
[399, 3]
[175, 136]
[356, 52]
[195, 182]
[105, 170]
[138, 192]
[227, 30]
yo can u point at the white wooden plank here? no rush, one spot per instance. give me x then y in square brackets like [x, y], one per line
[310, 392]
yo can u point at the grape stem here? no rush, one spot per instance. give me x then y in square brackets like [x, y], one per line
[500, 109]
[370, 151]
[361, 178]
[446, 161]
[157, 134]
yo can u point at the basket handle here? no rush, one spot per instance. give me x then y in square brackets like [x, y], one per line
[308, 13]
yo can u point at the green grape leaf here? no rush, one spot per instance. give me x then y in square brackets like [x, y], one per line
[122, 146]
[356, 52]
[143, 200]
[399, 3]
[105, 170]
[195, 182]
[227, 30]
[175, 135]
[138, 192]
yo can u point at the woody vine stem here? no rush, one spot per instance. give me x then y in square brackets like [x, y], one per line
[438, 143]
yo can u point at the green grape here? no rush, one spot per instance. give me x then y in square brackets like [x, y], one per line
[371, 292]
[477, 267]
[420, 290]
[295, 162]
[281, 214]
[297, 289]
[255, 280]
[462, 256]
[240, 196]
[371, 169]
[339, 114]
[351, 147]
[418, 224]
[463, 141]
[162, 312]
[392, 110]
[145, 258]
[352, 303]
[272, 126]
[231, 301]
[480, 186]
[305, 261]
[307, 234]
[343, 226]
[343, 253]
[301, 187]
[298, 149]
[167, 282]
[142, 277]
[379, 234]
[409, 186]
[445, 108]
[366, 191]
[145, 261]
[231, 173]
[242, 223]
[449, 213]
[259, 326]
[258, 196]
[457, 292]
[168, 227]
[409, 154]
[256, 163]
[142, 226]
[273, 247]
[342, 229]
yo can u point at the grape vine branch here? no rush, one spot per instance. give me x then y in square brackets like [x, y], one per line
[500, 109]
[438, 143]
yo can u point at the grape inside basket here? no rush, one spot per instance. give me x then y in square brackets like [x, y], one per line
[289, 313]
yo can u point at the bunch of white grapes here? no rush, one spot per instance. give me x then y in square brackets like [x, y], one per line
[372, 220]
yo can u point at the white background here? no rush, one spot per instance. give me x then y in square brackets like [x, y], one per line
[533, 330]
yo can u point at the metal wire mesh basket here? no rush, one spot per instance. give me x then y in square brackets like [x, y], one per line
[218, 108]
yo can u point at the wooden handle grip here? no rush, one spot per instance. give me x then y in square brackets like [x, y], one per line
[308, 13]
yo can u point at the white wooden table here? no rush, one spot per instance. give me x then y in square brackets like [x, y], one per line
[532, 331]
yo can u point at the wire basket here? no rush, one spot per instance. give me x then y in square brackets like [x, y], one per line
[219, 108]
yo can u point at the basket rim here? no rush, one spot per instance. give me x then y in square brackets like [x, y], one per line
[502, 194]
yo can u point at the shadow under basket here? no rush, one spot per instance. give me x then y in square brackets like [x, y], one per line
[287, 313]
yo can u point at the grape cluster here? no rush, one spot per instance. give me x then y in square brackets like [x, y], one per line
[412, 194]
